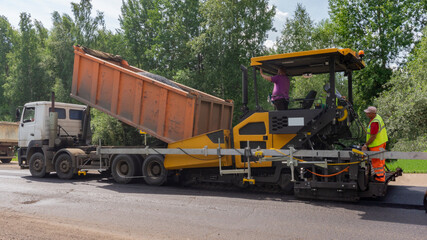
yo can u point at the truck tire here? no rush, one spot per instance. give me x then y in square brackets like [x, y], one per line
[38, 165]
[6, 160]
[123, 169]
[64, 166]
[154, 171]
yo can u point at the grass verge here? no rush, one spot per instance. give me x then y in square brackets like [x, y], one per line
[408, 165]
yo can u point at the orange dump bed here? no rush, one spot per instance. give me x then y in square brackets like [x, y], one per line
[166, 112]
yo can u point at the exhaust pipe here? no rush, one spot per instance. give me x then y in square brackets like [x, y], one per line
[85, 127]
[53, 123]
[244, 89]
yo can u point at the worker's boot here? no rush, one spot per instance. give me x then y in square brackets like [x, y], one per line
[377, 179]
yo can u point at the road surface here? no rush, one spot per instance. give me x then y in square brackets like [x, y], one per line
[91, 207]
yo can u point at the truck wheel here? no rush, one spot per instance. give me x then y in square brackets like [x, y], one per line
[64, 166]
[6, 160]
[38, 165]
[123, 168]
[154, 170]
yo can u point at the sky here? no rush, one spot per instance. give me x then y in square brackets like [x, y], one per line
[42, 11]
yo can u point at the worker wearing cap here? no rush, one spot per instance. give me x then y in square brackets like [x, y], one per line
[280, 95]
[376, 139]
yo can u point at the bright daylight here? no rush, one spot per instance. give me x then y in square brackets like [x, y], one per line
[213, 119]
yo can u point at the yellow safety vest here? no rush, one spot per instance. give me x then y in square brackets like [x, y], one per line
[381, 135]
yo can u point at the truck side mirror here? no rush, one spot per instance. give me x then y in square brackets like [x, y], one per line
[18, 114]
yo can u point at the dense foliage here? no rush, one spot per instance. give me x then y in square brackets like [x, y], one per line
[404, 105]
[385, 29]
[203, 43]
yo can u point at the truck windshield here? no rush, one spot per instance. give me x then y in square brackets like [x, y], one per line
[28, 115]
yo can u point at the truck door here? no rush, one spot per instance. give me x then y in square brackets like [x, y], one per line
[27, 126]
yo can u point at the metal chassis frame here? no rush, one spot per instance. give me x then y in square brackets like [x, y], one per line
[344, 154]
[276, 155]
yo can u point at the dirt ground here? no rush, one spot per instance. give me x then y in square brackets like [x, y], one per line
[16, 225]
[11, 165]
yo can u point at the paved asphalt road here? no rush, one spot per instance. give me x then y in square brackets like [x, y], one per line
[90, 207]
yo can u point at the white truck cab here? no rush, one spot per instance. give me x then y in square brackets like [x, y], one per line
[34, 126]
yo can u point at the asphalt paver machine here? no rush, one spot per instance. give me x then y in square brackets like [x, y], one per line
[294, 150]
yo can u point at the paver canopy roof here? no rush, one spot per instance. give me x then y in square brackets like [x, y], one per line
[314, 61]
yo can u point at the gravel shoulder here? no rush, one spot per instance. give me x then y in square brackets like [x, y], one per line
[411, 179]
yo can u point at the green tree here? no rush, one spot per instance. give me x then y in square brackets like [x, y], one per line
[7, 38]
[323, 35]
[157, 32]
[231, 33]
[140, 22]
[297, 32]
[385, 29]
[181, 24]
[114, 43]
[28, 79]
[404, 104]
[86, 28]
[82, 29]
[113, 132]
[61, 57]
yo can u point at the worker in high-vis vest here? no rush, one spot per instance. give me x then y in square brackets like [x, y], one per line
[376, 139]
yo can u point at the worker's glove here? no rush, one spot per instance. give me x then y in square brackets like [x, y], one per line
[364, 148]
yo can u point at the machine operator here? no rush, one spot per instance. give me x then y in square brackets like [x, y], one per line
[280, 95]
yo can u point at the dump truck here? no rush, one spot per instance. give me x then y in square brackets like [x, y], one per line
[293, 149]
[8, 140]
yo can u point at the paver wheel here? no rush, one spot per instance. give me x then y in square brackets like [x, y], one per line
[38, 165]
[425, 201]
[154, 171]
[286, 184]
[64, 166]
